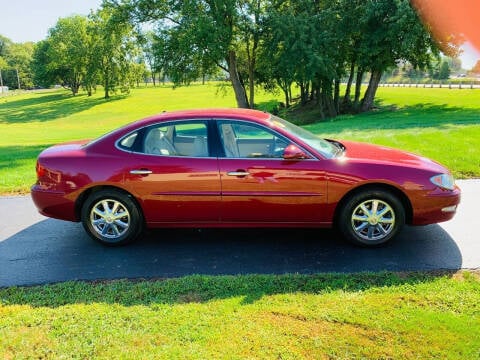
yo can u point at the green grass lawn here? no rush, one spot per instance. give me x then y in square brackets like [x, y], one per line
[333, 316]
[439, 123]
[349, 316]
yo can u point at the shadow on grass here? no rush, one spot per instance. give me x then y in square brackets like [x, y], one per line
[203, 288]
[13, 157]
[10, 155]
[47, 107]
[390, 118]
[270, 106]
[181, 266]
[17, 167]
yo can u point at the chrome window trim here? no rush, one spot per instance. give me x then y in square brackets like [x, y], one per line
[216, 120]
[268, 129]
[166, 123]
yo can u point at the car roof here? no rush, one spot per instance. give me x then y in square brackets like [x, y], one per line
[228, 113]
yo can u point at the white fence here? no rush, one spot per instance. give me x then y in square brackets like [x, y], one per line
[444, 85]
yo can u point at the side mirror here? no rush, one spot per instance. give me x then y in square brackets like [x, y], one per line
[292, 152]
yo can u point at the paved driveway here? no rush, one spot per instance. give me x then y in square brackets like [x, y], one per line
[34, 249]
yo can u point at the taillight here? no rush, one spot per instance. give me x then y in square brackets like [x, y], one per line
[40, 170]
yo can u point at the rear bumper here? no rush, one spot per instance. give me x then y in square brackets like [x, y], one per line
[53, 204]
[437, 206]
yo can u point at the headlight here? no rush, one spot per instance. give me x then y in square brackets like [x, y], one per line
[444, 181]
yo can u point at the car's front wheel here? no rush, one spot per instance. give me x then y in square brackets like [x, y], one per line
[111, 217]
[371, 217]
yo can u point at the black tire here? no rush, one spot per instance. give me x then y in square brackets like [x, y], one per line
[361, 225]
[111, 217]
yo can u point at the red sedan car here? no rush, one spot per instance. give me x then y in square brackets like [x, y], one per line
[237, 168]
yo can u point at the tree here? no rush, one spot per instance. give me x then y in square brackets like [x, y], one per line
[444, 71]
[5, 43]
[329, 39]
[3, 65]
[113, 50]
[18, 57]
[280, 42]
[454, 63]
[138, 72]
[43, 74]
[394, 33]
[299, 46]
[250, 28]
[275, 65]
[68, 45]
[83, 51]
[202, 35]
[148, 44]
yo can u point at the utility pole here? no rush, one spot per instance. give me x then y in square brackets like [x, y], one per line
[1, 79]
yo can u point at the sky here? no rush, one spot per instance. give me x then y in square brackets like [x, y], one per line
[29, 20]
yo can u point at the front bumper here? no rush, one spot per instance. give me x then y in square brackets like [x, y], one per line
[437, 206]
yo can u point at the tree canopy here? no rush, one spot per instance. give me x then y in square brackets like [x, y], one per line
[83, 51]
[15, 64]
[270, 43]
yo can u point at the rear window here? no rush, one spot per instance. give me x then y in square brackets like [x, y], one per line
[128, 141]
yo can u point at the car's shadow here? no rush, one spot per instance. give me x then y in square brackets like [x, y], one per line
[52, 251]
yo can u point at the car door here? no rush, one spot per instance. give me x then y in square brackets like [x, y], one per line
[259, 186]
[174, 175]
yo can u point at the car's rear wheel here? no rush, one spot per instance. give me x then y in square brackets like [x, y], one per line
[371, 217]
[111, 217]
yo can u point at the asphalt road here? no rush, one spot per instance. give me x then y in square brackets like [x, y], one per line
[37, 250]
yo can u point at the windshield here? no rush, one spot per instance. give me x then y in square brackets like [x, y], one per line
[324, 147]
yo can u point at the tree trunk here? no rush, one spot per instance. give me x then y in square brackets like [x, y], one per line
[327, 100]
[329, 105]
[251, 86]
[238, 89]
[303, 96]
[320, 106]
[252, 57]
[287, 99]
[285, 86]
[346, 98]
[358, 88]
[336, 96]
[106, 84]
[75, 88]
[313, 92]
[367, 101]
[287, 90]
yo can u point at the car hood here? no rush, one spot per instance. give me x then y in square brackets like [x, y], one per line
[370, 153]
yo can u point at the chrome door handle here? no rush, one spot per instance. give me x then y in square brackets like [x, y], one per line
[238, 173]
[140, 172]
